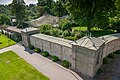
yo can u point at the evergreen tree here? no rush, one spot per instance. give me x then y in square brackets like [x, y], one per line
[18, 9]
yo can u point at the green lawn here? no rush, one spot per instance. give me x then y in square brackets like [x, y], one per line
[6, 41]
[94, 31]
[12, 67]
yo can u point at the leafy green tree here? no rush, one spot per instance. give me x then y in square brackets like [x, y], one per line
[45, 29]
[115, 24]
[90, 12]
[46, 4]
[55, 32]
[40, 11]
[18, 9]
[5, 9]
[4, 20]
[58, 9]
[65, 25]
[118, 7]
[66, 33]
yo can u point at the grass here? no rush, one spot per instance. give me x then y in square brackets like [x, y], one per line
[80, 28]
[95, 31]
[12, 67]
[6, 41]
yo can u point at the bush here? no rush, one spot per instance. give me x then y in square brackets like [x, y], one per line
[99, 71]
[117, 52]
[115, 23]
[71, 38]
[31, 47]
[55, 58]
[65, 25]
[55, 32]
[66, 33]
[66, 63]
[37, 50]
[45, 28]
[45, 54]
[111, 55]
[105, 60]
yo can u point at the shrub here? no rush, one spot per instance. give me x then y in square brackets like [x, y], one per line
[55, 32]
[66, 33]
[55, 58]
[79, 34]
[71, 38]
[45, 54]
[66, 63]
[31, 47]
[37, 50]
[105, 60]
[65, 25]
[117, 52]
[99, 71]
[111, 55]
[45, 28]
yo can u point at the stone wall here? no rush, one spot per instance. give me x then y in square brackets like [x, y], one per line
[57, 49]
[111, 47]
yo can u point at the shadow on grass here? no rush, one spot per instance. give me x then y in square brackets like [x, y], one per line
[98, 33]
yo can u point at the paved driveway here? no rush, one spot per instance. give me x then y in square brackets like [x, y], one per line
[52, 70]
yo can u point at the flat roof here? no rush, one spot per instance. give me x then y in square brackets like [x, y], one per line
[29, 29]
[111, 37]
[14, 29]
[56, 40]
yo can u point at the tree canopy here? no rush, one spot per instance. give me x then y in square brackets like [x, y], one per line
[90, 12]
[4, 20]
[18, 9]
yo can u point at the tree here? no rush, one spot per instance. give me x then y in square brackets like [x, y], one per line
[4, 20]
[45, 4]
[65, 25]
[118, 7]
[115, 24]
[90, 12]
[45, 29]
[18, 9]
[58, 9]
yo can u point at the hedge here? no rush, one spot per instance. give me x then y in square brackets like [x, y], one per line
[55, 58]
[105, 60]
[37, 50]
[45, 54]
[111, 55]
[31, 47]
[66, 63]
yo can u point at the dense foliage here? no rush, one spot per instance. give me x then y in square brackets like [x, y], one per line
[91, 12]
[4, 20]
[52, 7]
[18, 9]
[66, 63]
